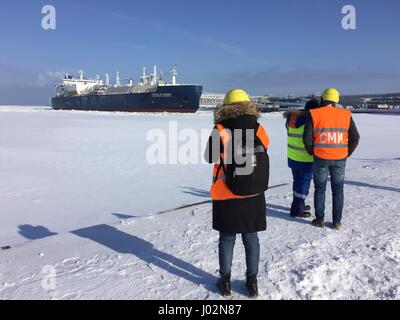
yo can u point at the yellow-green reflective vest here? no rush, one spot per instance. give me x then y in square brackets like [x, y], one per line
[296, 148]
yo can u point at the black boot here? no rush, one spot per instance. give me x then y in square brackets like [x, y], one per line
[301, 215]
[252, 286]
[224, 284]
[336, 225]
[318, 223]
[298, 208]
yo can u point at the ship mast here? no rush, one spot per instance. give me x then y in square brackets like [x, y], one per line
[118, 82]
[143, 77]
[173, 73]
[154, 76]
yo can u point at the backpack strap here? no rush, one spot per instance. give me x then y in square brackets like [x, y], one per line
[220, 128]
[221, 165]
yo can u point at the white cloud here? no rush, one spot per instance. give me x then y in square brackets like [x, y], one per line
[207, 41]
[118, 15]
[48, 78]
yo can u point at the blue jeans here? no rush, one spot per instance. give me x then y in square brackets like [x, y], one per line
[252, 249]
[322, 169]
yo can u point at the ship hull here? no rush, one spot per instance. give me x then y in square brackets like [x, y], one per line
[180, 98]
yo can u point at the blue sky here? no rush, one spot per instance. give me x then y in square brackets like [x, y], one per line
[276, 47]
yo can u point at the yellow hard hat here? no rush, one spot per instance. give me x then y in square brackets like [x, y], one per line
[331, 94]
[236, 96]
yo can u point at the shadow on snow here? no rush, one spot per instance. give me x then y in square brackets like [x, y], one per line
[372, 186]
[196, 192]
[125, 243]
[280, 212]
[34, 232]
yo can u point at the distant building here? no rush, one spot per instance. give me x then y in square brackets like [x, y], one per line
[211, 99]
[372, 101]
[214, 99]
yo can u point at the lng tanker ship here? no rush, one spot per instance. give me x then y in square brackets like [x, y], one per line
[150, 94]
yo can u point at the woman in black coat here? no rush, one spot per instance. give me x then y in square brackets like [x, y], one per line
[231, 216]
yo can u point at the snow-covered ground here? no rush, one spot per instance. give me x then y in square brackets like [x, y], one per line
[79, 202]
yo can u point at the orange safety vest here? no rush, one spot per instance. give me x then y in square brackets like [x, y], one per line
[331, 132]
[219, 188]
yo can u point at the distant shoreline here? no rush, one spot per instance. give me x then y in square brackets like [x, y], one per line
[212, 108]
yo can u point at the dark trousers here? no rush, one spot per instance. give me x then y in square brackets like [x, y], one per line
[302, 177]
[252, 249]
[301, 181]
[322, 169]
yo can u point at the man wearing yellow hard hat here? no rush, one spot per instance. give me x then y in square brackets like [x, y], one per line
[331, 136]
[238, 199]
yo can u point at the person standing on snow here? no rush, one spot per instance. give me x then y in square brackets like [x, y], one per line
[299, 161]
[233, 213]
[330, 135]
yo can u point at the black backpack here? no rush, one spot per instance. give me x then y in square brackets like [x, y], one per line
[252, 176]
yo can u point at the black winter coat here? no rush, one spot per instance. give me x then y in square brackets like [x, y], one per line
[246, 215]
